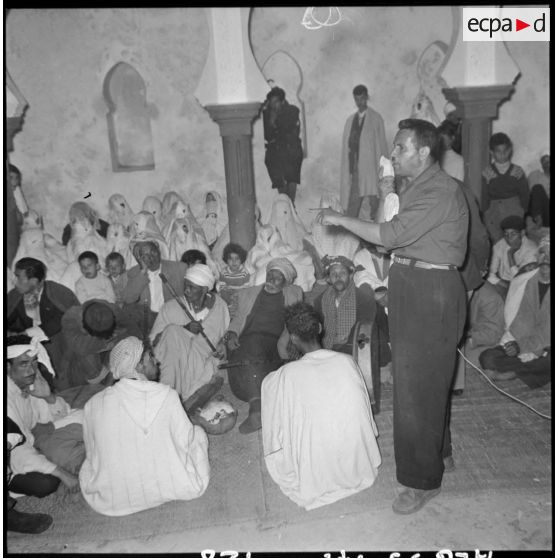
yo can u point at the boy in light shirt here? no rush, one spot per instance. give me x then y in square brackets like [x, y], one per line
[92, 284]
[116, 270]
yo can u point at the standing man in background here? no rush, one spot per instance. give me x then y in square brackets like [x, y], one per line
[427, 306]
[364, 142]
[283, 148]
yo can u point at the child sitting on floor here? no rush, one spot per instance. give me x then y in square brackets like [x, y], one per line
[234, 275]
[116, 270]
[92, 284]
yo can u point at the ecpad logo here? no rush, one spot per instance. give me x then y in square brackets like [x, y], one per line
[506, 24]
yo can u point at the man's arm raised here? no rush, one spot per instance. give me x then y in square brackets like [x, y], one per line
[364, 229]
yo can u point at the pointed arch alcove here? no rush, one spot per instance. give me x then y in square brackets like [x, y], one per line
[128, 119]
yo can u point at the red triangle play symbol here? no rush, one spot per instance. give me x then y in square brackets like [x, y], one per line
[519, 25]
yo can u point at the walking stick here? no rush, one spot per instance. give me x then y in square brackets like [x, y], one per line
[186, 311]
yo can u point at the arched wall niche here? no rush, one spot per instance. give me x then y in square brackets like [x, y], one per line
[128, 119]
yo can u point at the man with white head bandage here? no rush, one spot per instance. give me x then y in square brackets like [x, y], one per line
[53, 450]
[187, 359]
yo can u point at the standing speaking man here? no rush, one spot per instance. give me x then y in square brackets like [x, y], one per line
[427, 306]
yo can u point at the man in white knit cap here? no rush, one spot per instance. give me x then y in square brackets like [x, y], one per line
[188, 359]
[142, 450]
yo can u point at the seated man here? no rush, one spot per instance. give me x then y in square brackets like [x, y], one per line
[39, 303]
[257, 339]
[486, 317]
[145, 293]
[316, 455]
[90, 331]
[343, 306]
[142, 450]
[524, 349]
[187, 359]
[53, 450]
[21, 522]
[510, 253]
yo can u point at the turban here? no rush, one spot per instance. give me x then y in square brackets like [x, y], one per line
[329, 261]
[284, 266]
[514, 222]
[124, 358]
[201, 275]
[33, 348]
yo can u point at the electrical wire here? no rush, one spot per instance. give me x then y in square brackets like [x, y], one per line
[501, 390]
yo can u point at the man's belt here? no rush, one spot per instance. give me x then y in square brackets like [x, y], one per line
[411, 262]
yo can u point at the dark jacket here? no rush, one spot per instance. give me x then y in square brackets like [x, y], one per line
[137, 288]
[55, 300]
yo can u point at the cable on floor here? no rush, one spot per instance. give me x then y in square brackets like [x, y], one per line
[501, 390]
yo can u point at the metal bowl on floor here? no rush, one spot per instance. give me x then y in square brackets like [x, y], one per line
[216, 417]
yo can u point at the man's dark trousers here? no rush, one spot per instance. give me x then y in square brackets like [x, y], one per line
[427, 309]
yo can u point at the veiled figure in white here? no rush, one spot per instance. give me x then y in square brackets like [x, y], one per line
[283, 236]
[182, 237]
[34, 242]
[225, 238]
[214, 217]
[120, 211]
[153, 205]
[84, 223]
[144, 227]
[118, 240]
[331, 240]
[174, 207]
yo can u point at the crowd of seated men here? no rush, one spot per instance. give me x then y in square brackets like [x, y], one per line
[152, 302]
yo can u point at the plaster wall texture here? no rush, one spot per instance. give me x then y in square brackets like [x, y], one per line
[59, 59]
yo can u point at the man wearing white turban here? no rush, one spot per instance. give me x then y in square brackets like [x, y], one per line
[142, 450]
[525, 347]
[257, 335]
[186, 357]
[54, 452]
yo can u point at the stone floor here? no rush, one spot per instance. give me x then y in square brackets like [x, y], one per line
[499, 498]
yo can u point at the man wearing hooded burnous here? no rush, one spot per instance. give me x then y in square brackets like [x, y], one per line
[142, 450]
